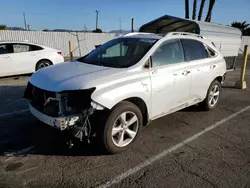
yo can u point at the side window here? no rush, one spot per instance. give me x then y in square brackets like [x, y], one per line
[35, 48]
[169, 53]
[18, 48]
[194, 50]
[117, 50]
[5, 49]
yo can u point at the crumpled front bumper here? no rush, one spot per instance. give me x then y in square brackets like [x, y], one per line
[57, 122]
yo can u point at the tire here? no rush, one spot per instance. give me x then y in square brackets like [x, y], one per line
[43, 63]
[116, 125]
[213, 96]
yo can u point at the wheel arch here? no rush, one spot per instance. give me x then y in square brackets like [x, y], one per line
[219, 78]
[140, 103]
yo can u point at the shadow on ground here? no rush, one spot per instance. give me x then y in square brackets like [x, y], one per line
[21, 138]
[22, 134]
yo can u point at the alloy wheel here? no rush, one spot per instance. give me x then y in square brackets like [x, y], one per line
[214, 95]
[43, 64]
[125, 129]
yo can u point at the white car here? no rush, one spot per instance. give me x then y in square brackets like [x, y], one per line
[24, 57]
[115, 90]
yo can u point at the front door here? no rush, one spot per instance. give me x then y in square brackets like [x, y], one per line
[170, 78]
[6, 63]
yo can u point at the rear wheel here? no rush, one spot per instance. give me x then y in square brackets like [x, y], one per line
[43, 63]
[213, 96]
[122, 127]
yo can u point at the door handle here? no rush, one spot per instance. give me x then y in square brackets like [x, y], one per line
[6, 57]
[175, 74]
[212, 66]
[185, 73]
[154, 71]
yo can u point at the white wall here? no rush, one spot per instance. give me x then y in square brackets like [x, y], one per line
[245, 41]
[60, 40]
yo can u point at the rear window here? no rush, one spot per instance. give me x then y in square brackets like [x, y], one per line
[35, 48]
[18, 48]
[194, 50]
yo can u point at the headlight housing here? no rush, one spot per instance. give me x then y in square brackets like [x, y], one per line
[79, 99]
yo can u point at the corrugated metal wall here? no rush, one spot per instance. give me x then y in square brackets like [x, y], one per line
[60, 40]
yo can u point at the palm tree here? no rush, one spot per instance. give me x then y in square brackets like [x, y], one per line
[243, 26]
[187, 9]
[247, 32]
[201, 9]
[3, 27]
[194, 9]
[210, 9]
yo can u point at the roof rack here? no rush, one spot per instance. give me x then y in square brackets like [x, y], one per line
[137, 33]
[185, 33]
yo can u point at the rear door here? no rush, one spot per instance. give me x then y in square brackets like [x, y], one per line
[25, 57]
[6, 64]
[202, 66]
[170, 78]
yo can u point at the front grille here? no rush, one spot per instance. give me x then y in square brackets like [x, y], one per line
[44, 101]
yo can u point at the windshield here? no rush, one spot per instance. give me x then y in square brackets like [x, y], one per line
[120, 52]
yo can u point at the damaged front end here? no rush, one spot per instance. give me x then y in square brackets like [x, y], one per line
[68, 111]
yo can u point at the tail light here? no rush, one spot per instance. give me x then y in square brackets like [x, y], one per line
[60, 53]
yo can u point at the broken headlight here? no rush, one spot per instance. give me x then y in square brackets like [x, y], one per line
[79, 100]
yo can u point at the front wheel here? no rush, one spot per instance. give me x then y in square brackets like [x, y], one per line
[213, 96]
[122, 127]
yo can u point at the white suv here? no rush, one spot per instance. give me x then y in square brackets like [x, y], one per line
[112, 92]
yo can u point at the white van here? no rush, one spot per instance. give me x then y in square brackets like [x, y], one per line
[226, 39]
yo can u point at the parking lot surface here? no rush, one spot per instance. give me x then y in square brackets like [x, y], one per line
[189, 148]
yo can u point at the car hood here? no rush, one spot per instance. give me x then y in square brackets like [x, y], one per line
[74, 75]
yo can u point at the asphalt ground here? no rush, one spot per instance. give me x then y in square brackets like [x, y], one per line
[189, 148]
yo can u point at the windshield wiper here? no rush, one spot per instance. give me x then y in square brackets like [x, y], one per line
[93, 63]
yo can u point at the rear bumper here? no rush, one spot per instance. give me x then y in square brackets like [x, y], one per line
[57, 59]
[57, 122]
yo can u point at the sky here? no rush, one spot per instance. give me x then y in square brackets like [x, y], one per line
[75, 14]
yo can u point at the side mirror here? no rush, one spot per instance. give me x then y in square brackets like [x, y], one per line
[96, 46]
[148, 64]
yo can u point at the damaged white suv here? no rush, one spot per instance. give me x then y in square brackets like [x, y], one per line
[112, 92]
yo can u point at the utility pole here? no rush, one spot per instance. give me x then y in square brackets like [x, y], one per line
[25, 26]
[132, 25]
[120, 24]
[97, 12]
[187, 9]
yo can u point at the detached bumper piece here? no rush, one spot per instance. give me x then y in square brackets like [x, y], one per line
[57, 122]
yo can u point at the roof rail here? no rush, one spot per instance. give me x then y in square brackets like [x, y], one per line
[185, 33]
